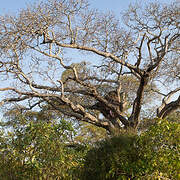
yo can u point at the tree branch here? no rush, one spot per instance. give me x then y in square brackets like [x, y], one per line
[101, 53]
[167, 107]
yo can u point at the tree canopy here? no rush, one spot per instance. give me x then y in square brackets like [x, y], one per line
[89, 65]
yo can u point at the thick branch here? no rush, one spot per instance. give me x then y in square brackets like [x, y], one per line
[169, 108]
[101, 53]
[134, 118]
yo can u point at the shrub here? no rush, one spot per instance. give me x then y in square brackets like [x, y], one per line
[152, 155]
[111, 158]
[159, 150]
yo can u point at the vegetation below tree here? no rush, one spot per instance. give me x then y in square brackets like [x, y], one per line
[89, 65]
[46, 150]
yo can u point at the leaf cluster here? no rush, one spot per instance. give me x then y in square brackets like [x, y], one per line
[152, 155]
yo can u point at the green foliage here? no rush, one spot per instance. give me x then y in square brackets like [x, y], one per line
[39, 150]
[159, 149]
[146, 122]
[111, 158]
[174, 117]
[89, 134]
[81, 68]
[152, 155]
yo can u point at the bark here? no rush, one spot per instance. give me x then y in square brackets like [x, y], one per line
[168, 108]
[135, 115]
[140, 51]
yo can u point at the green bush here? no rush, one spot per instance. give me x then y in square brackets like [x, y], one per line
[152, 155]
[39, 151]
[159, 149]
[111, 159]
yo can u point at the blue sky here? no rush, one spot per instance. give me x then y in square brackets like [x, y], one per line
[11, 6]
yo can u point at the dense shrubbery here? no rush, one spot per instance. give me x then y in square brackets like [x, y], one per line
[159, 150]
[40, 151]
[112, 158]
[152, 155]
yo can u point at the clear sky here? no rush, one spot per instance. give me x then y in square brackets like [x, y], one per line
[9, 6]
[12, 6]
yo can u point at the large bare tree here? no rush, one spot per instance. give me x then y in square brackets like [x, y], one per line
[89, 65]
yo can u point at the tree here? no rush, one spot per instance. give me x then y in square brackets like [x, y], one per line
[88, 134]
[38, 43]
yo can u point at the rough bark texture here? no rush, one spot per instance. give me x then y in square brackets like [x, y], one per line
[36, 44]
